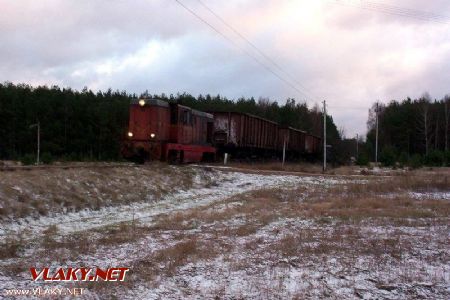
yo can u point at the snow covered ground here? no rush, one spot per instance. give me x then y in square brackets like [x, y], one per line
[225, 185]
[233, 235]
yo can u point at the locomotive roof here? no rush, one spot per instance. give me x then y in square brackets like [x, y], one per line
[164, 103]
[151, 101]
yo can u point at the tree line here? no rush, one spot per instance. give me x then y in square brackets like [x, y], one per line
[87, 125]
[413, 132]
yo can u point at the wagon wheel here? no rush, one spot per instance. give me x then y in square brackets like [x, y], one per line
[181, 157]
[172, 157]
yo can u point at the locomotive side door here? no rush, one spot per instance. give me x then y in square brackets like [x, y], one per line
[209, 131]
[185, 126]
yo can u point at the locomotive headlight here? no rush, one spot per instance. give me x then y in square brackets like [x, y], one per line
[142, 102]
[152, 135]
[130, 134]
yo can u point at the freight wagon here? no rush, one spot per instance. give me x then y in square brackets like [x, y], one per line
[312, 144]
[244, 134]
[293, 140]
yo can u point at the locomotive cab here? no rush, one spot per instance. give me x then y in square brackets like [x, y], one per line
[163, 131]
[148, 129]
[190, 135]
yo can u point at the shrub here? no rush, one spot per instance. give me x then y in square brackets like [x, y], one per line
[47, 158]
[403, 159]
[435, 159]
[362, 160]
[28, 159]
[387, 157]
[415, 161]
[447, 158]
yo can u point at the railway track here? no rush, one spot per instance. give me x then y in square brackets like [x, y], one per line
[12, 168]
[67, 166]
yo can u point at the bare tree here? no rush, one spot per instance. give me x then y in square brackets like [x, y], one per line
[436, 134]
[342, 132]
[264, 103]
[424, 128]
[425, 125]
[371, 121]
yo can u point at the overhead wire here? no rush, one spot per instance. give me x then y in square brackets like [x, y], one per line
[407, 12]
[369, 5]
[242, 49]
[394, 10]
[257, 49]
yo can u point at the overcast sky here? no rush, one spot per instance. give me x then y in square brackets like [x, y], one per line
[346, 55]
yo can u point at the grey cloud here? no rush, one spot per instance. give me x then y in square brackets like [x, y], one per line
[351, 57]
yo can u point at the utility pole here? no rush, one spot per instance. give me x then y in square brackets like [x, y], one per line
[376, 135]
[284, 150]
[324, 136]
[38, 125]
[357, 154]
[446, 124]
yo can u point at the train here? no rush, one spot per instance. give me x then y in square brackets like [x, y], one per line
[172, 132]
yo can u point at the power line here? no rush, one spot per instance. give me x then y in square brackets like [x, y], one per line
[395, 10]
[259, 51]
[426, 16]
[242, 49]
[324, 136]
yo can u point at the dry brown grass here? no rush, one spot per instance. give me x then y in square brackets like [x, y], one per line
[62, 248]
[373, 207]
[339, 215]
[11, 248]
[302, 167]
[353, 202]
[340, 240]
[408, 183]
[80, 243]
[259, 207]
[167, 262]
[43, 191]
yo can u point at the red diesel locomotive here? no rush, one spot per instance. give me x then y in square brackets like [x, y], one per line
[169, 132]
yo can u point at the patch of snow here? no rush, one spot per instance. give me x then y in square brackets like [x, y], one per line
[430, 195]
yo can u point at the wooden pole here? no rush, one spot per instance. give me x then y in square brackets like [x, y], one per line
[376, 136]
[38, 141]
[324, 136]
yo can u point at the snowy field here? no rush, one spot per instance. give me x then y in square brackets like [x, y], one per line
[193, 233]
